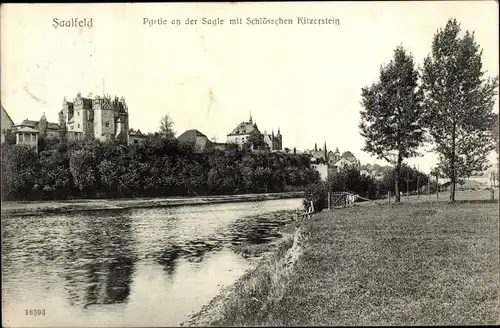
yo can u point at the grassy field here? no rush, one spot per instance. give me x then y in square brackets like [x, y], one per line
[412, 264]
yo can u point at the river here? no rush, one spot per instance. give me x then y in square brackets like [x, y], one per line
[139, 267]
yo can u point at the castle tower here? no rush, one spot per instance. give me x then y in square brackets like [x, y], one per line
[79, 115]
[279, 140]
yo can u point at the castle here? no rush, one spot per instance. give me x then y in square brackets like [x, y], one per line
[242, 132]
[101, 118]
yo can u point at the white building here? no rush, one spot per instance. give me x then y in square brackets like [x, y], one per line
[27, 136]
[322, 169]
[242, 132]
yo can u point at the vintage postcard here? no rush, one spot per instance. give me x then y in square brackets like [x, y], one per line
[250, 164]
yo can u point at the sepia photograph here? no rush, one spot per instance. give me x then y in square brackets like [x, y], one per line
[250, 164]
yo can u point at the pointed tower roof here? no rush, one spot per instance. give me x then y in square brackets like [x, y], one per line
[250, 117]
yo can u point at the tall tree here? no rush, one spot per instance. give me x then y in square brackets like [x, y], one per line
[167, 127]
[391, 119]
[458, 103]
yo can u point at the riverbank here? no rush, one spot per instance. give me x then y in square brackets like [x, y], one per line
[54, 207]
[256, 292]
[412, 264]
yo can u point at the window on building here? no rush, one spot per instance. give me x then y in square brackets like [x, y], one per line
[107, 124]
[78, 125]
[136, 141]
[89, 125]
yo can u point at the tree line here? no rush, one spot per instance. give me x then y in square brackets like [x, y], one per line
[157, 167]
[448, 103]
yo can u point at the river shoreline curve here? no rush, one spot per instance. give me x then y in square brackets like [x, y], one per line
[30, 208]
[256, 291]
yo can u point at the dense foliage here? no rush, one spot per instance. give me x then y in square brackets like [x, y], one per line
[158, 167]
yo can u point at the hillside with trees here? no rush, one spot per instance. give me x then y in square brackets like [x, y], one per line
[159, 167]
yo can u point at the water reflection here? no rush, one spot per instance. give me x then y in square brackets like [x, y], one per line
[98, 258]
[117, 269]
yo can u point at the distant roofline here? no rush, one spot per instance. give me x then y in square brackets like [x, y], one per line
[198, 133]
[238, 134]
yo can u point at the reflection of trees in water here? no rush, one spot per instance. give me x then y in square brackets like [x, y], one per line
[257, 229]
[192, 250]
[254, 230]
[167, 258]
[99, 261]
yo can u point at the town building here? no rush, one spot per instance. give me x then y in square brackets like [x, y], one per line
[200, 141]
[194, 137]
[242, 132]
[7, 124]
[101, 118]
[322, 169]
[274, 142]
[322, 159]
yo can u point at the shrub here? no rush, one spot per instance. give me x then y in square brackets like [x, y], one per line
[318, 194]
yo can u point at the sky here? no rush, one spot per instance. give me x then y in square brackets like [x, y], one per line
[305, 80]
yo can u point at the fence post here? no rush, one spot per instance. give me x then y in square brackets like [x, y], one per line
[329, 201]
[429, 187]
[408, 185]
[418, 190]
[437, 188]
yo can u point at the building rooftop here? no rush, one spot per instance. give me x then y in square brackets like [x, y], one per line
[34, 124]
[190, 136]
[26, 129]
[7, 115]
[244, 128]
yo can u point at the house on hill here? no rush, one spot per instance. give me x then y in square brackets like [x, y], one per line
[242, 132]
[200, 141]
[136, 137]
[333, 161]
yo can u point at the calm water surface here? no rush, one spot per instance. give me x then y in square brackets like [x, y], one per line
[145, 267]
